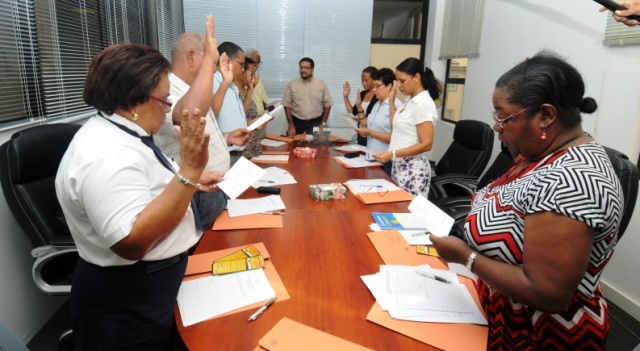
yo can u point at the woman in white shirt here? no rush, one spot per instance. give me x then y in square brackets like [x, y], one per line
[376, 127]
[412, 134]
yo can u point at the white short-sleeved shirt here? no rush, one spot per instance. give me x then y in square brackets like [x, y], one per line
[105, 179]
[419, 109]
[167, 138]
[378, 120]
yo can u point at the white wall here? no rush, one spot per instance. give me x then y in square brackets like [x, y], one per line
[513, 30]
[24, 309]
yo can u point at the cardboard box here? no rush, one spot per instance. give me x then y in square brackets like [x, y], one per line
[305, 152]
[322, 192]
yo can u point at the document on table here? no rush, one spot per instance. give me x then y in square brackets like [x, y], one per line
[240, 177]
[272, 143]
[271, 158]
[436, 221]
[407, 295]
[352, 148]
[204, 298]
[359, 186]
[358, 162]
[243, 207]
[413, 237]
[274, 176]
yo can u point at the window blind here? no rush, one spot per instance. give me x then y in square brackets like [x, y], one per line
[462, 29]
[336, 34]
[617, 33]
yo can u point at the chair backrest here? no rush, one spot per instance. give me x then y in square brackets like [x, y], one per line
[28, 165]
[470, 150]
[628, 175]
[500, 166]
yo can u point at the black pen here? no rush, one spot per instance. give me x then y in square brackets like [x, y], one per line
[433, 276]
[420, 233]
[259, 312]
[267, 181]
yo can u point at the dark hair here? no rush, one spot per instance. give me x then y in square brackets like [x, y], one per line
[548, 79]
[122, 76]
[413, 66]
[307, 59]
[232, 50]
[386, 75]
[372, 71]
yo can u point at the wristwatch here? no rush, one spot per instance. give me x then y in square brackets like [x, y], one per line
[470, 260]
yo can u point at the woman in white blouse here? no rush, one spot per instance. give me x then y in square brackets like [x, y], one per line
[412, 134]
[376, 127]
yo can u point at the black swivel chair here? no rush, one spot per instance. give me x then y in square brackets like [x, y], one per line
[466, 158]
[625, 170]
[28, 165]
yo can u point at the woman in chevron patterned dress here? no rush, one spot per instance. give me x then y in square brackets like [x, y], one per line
[539, 237]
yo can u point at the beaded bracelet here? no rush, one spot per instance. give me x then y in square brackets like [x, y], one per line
[186, 181]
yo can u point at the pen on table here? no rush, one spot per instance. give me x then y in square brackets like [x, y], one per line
[259, 312]
[433, 276]
[420, 233]
[273, 213]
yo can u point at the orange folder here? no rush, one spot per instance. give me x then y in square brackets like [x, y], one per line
[337, 139]
[224, 222]
[289, 335]
[393, 249]
[254, 160]
[279, 138]
[374, 164]
[389, 196]
[199, 266]
[445, 336]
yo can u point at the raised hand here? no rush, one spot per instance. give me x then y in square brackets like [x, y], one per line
[193, 140]
[210, 42]
[358, 100]
[346, 89]
[226, 68]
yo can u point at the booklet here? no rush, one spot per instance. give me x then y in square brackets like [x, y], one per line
[398, 221]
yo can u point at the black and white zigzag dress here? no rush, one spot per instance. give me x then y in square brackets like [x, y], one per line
[578, 182]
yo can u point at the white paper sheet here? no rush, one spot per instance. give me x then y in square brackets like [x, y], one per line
[260, 121]
[240, 177]
[438, 222]
[243, 207]
[274, 176]
[271, 143]
[359, 186]
[358, 162]
[204, 298]
[271, 158]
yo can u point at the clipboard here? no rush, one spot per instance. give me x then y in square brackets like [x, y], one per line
[224, 222]
[289, 335]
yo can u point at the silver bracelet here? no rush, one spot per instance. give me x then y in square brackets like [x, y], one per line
[186, 181]
[471, 259]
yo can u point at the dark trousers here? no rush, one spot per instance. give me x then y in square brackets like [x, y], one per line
[124, 307]
[303, 126]
[209, 206]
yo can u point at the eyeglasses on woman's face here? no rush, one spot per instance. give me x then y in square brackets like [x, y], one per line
[166, 104]
[501, 121]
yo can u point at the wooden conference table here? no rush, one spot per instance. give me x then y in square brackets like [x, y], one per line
[320, 254]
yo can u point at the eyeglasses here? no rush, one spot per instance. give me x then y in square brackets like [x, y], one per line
[306, 67]
[243, 64]
[164, 103]
[501, 121]
[378, 86]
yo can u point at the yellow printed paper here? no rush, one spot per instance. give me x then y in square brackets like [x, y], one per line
[427, 250]
[239, 265]
[248, 251]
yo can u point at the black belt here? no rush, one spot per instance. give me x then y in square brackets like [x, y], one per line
[154, 266]
[235, 153]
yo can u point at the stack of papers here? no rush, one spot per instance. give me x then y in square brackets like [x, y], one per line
[243, 207]
[356, 162]
[266, 158]
[423, 294]
[272, 143]
[204, 298]
[351, 148]
[274, 176]
[424, 216]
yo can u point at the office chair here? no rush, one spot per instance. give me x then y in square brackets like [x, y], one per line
[466, 158]
[625, 170]
[28, 165]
